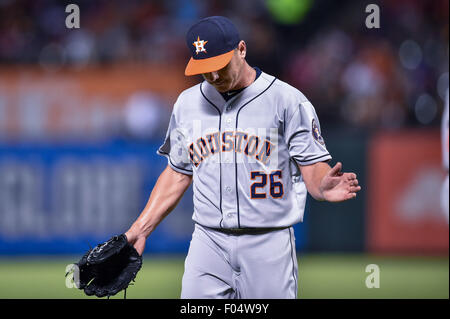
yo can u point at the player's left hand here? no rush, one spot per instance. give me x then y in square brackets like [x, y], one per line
[108, 268]
[337, 186]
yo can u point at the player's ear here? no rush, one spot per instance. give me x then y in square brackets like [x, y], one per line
[242, 49]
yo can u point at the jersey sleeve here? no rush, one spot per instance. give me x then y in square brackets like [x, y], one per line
[174, 147]
[303, 136]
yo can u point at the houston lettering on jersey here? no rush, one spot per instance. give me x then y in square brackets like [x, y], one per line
[229, 141]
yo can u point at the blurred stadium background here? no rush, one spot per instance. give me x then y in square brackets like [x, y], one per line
[82, 112]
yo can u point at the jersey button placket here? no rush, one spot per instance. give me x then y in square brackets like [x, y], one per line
[228, 175]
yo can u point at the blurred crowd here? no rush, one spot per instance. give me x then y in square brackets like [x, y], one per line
[390, 77]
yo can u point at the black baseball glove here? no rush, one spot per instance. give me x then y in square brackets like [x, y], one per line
[108, 268]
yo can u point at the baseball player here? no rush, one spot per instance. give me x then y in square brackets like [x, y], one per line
[252, 147]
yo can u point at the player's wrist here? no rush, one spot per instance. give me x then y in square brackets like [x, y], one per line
[321, 193]
[321, 196]
[132, 235]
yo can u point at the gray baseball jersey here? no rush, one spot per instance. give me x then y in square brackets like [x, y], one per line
[243, 153]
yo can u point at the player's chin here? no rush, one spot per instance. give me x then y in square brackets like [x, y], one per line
[222, 87]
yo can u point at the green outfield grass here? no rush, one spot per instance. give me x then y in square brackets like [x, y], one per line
[320, 276]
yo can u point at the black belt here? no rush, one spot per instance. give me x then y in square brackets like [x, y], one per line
[247, 230]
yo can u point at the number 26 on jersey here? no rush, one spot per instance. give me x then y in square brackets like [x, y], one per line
[258, 188]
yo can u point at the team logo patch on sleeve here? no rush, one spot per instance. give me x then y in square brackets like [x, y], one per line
[316, 132]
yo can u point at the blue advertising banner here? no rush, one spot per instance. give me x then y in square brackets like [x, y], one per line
[63, 198]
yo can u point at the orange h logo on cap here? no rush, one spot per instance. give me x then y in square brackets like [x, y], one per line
[199, 45]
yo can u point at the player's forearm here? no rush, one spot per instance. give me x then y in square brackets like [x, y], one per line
[312, 176]
[166, 194]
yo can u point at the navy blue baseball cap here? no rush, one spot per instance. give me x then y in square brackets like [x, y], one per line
[211, 42]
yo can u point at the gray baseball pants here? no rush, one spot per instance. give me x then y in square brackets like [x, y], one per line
[244, 266]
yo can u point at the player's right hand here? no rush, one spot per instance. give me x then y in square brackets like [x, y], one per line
[138, 242]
